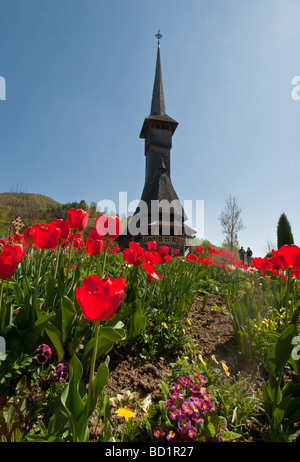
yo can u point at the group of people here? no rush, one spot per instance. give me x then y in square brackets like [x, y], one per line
[248, 253]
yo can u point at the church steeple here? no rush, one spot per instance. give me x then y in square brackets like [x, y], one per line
[158, 114]
[158, 100]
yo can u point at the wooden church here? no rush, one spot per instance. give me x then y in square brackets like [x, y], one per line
[159, 216]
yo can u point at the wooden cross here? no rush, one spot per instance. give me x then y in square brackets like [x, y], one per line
[158, 36]
[17, 224]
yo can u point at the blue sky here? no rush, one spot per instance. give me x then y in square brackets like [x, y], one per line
[79, 77]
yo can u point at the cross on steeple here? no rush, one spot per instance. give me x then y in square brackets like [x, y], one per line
[158, 36]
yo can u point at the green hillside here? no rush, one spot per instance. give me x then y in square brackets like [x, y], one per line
[32, 209]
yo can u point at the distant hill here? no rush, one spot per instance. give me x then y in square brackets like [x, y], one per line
[32, 209]
[29, 200]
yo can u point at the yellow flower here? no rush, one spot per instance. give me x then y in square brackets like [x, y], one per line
[164, 325]
[226, 369]
[214, 359]
[189, 322]
[202, 360]
[126, 413]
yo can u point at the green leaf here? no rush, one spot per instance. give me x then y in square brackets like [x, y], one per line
[74, 403]
[279, 411]
[98, 384]
[296, 315]
[50, 290]
[211, 425]
[227, 435]
[108, 336]
[137, 321]
[34, 331]
[43, 319]
[18, 292]
[101, 379]
[68, 313]
[55, 337]
[292, 411]
[280, 352]
[10, 416]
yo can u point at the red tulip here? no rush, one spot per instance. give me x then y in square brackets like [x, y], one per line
[261, 263]
[152, 246]
[29, 234]
[77, 220]
[149, 261]
[163, 251]
[152, 275]
[108, 227]
[15, 250]
[17, 237]
[94, 246]
[93, 234]
[191, 257]
[199, 249]
[288, 256]
[98, 298]
[7, 266]
[63, 226]
[77, 241]
[163, 254]
[133, 255]
[46, 236]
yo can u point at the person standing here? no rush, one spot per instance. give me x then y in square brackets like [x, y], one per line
[242, 254]
[249, 255]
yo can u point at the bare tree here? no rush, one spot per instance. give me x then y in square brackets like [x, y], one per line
[231, 223]
[270, 246]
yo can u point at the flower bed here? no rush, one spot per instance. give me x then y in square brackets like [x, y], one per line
[72, 313]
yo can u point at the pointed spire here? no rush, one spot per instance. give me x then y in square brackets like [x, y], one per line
[158, 111]
[158, 100]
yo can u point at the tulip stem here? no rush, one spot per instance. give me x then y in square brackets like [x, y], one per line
[1, 316]
[90, 262]
[104, 259]
[38, 274]
[125, 273]
[148, 296]
[92, 370]
[288, 292]
[57, 259]
[39, 266]
[69, 255]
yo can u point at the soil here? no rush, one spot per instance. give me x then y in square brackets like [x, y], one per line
[211, 329]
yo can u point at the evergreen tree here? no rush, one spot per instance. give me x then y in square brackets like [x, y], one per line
[284, 232]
